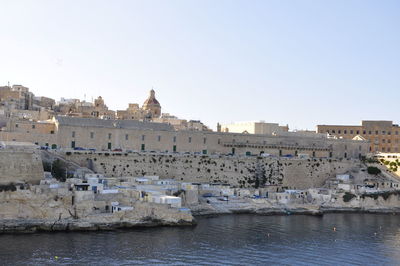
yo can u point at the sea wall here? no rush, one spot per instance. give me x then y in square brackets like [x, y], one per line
[243, 171]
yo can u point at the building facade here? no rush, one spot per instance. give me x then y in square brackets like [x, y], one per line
[90, 133]
[384, 136]
[254, 128]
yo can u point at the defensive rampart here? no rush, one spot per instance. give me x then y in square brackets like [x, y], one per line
[243, 171]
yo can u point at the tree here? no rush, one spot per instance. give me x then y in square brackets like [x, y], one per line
[59, 170]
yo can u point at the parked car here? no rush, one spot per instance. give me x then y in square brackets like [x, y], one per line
[117, 150]
[79, 149]
[223, 198]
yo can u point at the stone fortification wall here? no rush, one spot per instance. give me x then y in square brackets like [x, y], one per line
[237, 171]
[20, 167]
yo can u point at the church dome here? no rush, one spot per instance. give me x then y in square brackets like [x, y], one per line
[152, 106]
[151, 100]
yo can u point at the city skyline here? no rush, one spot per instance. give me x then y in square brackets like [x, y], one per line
[331, 63]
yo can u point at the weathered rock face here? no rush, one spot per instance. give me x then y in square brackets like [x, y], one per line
[385, 201]
[38, 208]
[20, 167]
[237, 171]
[34, 203]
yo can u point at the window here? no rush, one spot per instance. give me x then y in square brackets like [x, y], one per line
[126, 136]
[190, 139]
[345, 131]
[52, 132]
[364, 132]
[383, 149]
[91, 135]
[384, 140]
[369, 132]
[73, 134]
[72, 144]
[33, 126]
[233, 140]
[358, 132]
[174, 139]
[109, 145]
[383, 132]
[351, 131]
[376, 132]
[397, 132]
[159, 138]
[143, 137]
[333, 131]
[109, 135]
[219, 141]
[339, 132]
[388, 149]
[204, 140]
[16, 125]
[389, 132]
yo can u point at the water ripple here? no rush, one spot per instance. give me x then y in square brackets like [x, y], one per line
[359, 239]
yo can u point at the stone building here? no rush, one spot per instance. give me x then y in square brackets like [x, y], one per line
[16, 97]
[254, 128]
[90, 133]
[181, 124]
[151, 109]
[77, 108]
[382, 135]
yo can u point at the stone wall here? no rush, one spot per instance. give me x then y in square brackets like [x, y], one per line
[20, 167]
[238, 171]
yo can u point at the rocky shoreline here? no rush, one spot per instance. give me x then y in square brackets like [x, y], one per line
[202, 210]
[69, 224]
[66, 225]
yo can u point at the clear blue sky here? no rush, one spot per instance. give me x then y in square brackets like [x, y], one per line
[300, 63]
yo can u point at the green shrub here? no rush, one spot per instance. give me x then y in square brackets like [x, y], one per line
[372, 170]
[348, 196]
[385, 194]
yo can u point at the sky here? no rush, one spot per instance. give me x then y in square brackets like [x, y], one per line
[300, 63]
